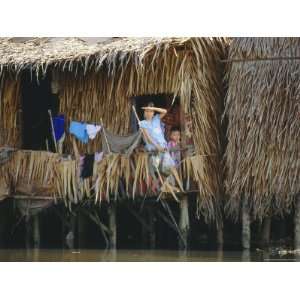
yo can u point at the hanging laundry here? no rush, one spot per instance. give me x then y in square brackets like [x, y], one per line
[98, 156]
[112, 143]
[92, 130]
[59, 126]
[88, 165]
[79, 130]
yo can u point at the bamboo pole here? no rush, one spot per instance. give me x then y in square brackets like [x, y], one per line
[70, 237]
[246, 255]
[246, 231]
[36, 231]
[27, 232]
[52, 130]
[266, 232]
[112, 225]
[184, 223]
[220, 236]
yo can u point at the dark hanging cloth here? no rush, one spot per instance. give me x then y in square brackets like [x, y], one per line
[112, 143]
[88, 166]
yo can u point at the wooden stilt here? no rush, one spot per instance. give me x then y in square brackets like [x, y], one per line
[112, 226]
[297, 224]
[27, 232]
[36, 231]
[151, 222]
[220, 237]
[184, 223]
[266, 232]
[69, 239]
[73, 231]
[246, 231]
[246, 255]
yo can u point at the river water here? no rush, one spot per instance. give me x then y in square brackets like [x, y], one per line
[87, 255]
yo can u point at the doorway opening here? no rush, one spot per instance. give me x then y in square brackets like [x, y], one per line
[37, 100]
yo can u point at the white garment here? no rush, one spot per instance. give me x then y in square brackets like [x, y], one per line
[98, 156]
[92, 130]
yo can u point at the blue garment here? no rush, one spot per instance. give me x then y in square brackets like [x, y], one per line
[59, 126]
[79, 130]
[154, 128]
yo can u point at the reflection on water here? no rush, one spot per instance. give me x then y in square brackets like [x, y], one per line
[85, 255]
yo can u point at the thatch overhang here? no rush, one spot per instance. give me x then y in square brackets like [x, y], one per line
[262, 108]
[37, 54]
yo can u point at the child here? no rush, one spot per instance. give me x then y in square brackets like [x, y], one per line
[174, 144]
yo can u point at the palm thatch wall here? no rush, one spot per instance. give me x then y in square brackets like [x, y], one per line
[10, 96]
[262, 107]
[98, 81]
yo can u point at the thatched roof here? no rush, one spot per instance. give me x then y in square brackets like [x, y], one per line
[39, 53]
[262, 106]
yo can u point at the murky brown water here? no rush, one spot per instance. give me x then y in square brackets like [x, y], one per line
[134, 256]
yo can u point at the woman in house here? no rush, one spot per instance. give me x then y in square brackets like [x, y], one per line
[155, 140]
[152, 128]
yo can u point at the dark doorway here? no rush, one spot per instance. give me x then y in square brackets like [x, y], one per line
[37, 99]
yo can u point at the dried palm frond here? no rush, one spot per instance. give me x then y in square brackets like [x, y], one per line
[10, 94]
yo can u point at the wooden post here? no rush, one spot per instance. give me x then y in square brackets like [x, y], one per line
[69, 239]
[36, 231]
[220, 238]
[73, 231]
[246, 255]
[112, 225]
[184, 223]
[151, 222]
[266, 232]
[246, 231]
[297, 224]
[27, 232]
